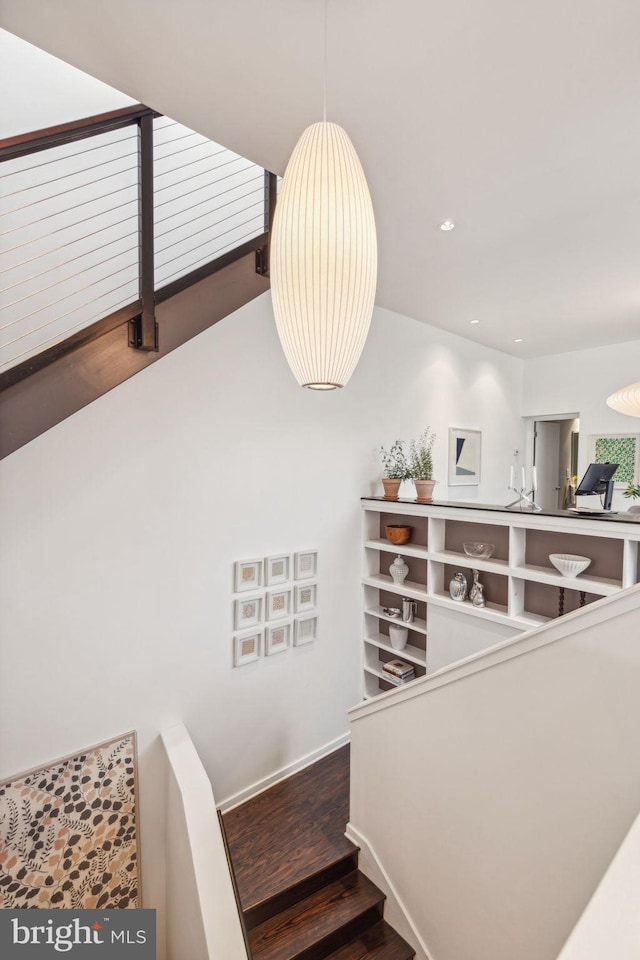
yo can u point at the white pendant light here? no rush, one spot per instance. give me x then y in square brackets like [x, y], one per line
[626, 400]
[323, 258]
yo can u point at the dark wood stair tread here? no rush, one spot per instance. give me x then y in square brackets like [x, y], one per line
[291, 832]
[319, 924]
[379, 942]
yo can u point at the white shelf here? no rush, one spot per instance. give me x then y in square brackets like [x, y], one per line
[491, 611]
[415, 591]
[419, 625]
[385, 676]
[404, 549]
[602, 586]
[410, 653]
[462, 560]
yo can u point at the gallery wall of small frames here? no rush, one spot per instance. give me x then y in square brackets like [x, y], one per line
[275, 605]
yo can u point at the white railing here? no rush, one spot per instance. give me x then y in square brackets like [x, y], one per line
[202, 917]
[494, 793]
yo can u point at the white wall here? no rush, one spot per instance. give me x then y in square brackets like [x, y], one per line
[37, 90]
[121, 525]
[580, 383]
[504, 786]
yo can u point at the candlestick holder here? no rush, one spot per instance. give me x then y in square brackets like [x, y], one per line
[524, 500]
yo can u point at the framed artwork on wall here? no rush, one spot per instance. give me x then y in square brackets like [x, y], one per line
[246, 647]
[248, 575]
[305, 597]
[278, 604]
[305, 629]
[277, 569]
[72, 819]
[248, 612]
[305, 564]
[277, 638]
[464, 457]
[619, 448]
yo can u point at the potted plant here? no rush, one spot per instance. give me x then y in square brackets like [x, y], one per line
[634, 493]
[394, 464]
[420, 465]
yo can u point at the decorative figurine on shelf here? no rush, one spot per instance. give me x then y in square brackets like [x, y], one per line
[476, 593]
[458, 587]
[398, 570]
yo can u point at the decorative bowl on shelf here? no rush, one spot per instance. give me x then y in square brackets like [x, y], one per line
[569, 564]
[478, 550]
[391, 611]
[398, 532]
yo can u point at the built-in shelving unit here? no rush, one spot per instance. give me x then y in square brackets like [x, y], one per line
[522, 588]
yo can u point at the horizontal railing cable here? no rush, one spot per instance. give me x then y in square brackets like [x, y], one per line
[60, 246]
[62, 193]
[210, 226]
[57, 213]
[71, 276]
[198, 245]
[193, 206]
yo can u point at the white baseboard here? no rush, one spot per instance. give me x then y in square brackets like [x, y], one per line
[260, 785]
[395, 912]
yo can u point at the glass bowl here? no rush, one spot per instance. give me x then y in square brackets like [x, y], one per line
[478, 550]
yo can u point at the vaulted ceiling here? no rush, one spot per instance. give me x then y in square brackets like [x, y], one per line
[519, 121]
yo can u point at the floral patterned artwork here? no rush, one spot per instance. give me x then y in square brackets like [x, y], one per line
[618, 449]
[68, 834]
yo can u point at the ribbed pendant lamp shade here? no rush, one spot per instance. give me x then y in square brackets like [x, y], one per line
[323, 258]
[626, 400]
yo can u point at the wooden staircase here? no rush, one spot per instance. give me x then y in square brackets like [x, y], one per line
[301, 894]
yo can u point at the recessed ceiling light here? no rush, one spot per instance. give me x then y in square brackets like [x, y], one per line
[474, 321]
[447, 225]
[518, 340]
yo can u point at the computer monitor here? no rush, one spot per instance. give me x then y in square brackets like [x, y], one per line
[598, 478]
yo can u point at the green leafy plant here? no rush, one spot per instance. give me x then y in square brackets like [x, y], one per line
[632, 491]
[394, 461]
[420, 460]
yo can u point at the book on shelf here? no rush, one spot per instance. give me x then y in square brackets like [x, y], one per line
[396, 681]
[398, 667]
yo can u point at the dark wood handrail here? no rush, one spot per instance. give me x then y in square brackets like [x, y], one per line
[37, 140]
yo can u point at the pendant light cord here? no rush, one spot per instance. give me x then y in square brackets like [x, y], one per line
[324, 67]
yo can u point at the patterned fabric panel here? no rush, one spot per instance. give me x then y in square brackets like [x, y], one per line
[68, 835]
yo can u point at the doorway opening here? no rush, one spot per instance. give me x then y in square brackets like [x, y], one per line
[554, 453]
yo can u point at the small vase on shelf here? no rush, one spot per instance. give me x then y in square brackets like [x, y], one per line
[398, 570]
[458, 587]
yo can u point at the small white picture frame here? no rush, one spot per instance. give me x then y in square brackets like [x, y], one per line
[277, 569]
[248, 575]
[306, 565]
[305, 597]
[305, 629]
[277, 638]
[247, 647]
[278, 604]
[247, 612]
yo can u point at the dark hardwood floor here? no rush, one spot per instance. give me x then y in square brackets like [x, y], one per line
[301, 894]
